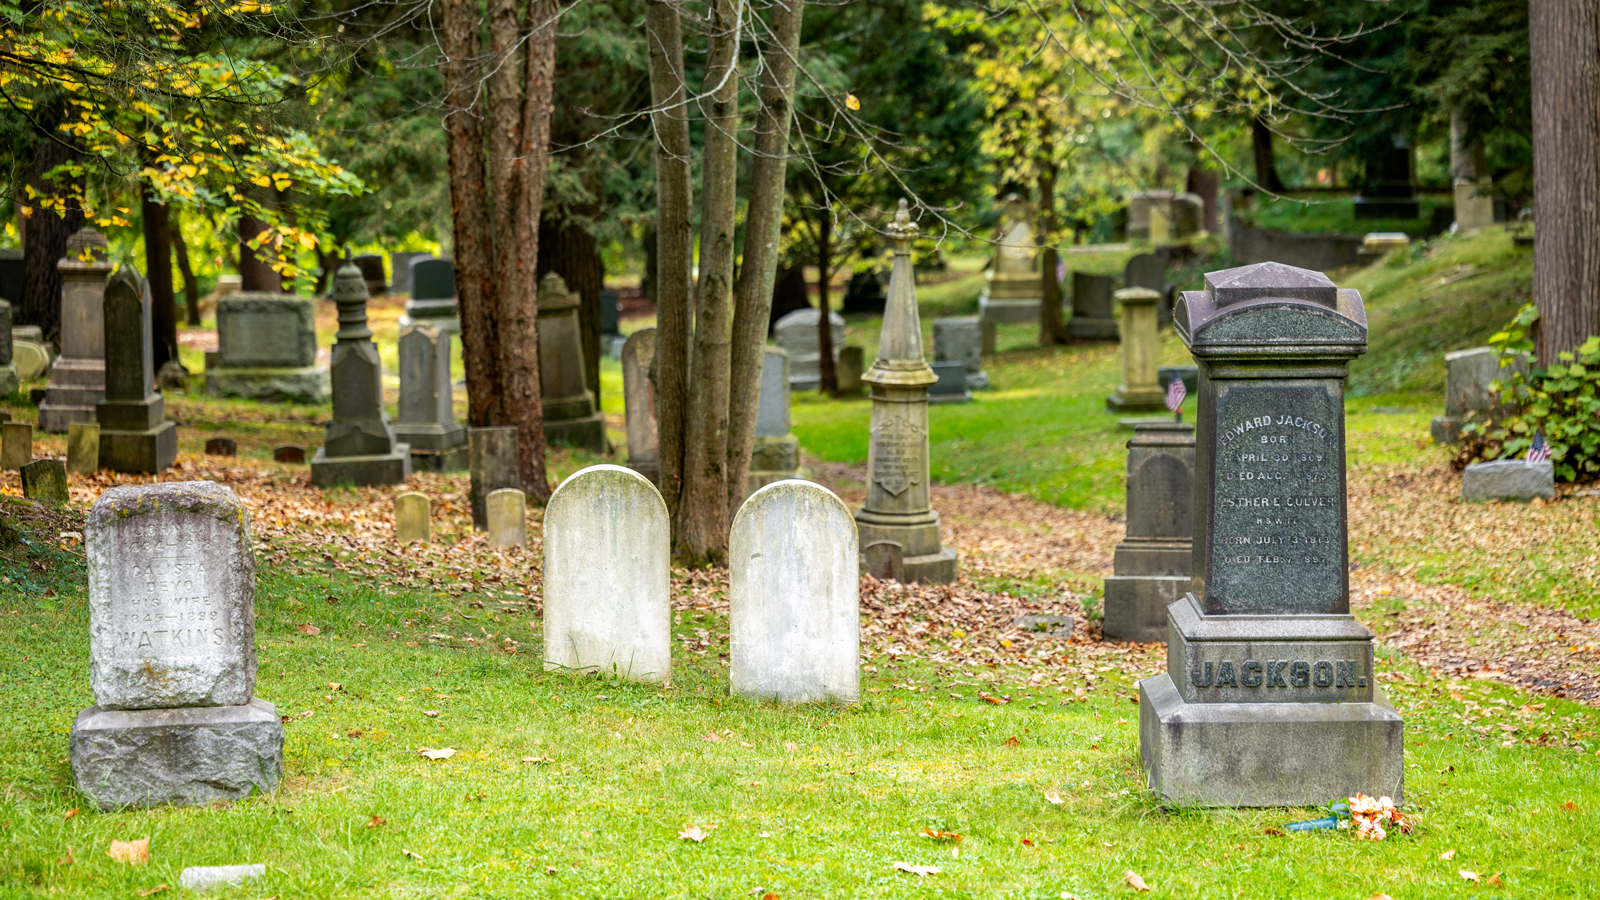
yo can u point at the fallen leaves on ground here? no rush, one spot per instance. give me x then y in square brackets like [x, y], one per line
[1448, 855]
[309, 629]
[135, 853]
[1469, 875]
[155, 890]
[440, 753]
[940, 835]
[413, 855]
[377, 821]
[696, 833]
[919, 871]
[1054, 798]
[1134, 881]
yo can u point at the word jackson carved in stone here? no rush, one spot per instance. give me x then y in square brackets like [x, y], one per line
[1269, 697]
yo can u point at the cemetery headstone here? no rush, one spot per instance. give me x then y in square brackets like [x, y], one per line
[1508, 479]
[1149, 270]
[607, 597]
[172, 653]
[852, 365]
[359, 447]
[776, 454]
[221, 446]
[372, 272]
[83, 448]
[400, 268]
[951, 386]
[1469, 375]
[16, 445]
[1091, 308]
[433, 295]
[78, 378]
[898, 506]
[1142, 205]
[228, 284]
[1188, 214]
[412, 517]
[1389, 190]
[135, 435]
[797, 334]
[289, 453]
[172, 377]
[960, 339]
[507, 509]
[1014, 287]
[864, 295]
[884, 560]
[29, 353]
[1470, 176]
[45, 480]
[9, 379]
[267, 350]
[1139, 390]
[639, 398]
[610, 315]
[1269, 698]
[1151, 566]
[794, 596]
[570, 416]
[427, 405]
[493, 462]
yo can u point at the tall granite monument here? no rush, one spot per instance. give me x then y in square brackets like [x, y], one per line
[267, 349]
[570, 416]
[427, 405]
[78, 378]
[898, 507]
[135, 435]
[1015, 287]
[1269, 698]
[359, 447]
[1151, 565]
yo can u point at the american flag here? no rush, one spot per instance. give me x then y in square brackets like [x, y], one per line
[1176, 391]
[1539, 451]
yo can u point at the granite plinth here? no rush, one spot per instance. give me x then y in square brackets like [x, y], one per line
[431, 438]
[185, 757]
[456, 460]
[1009, 310]
[924, 558]
[76, 385]
[1135, 607]
[1137, 400]
[145, 452]
[1087, 329]
[1252, 754]
[587, 433]
[309, 384]
[361, 471]
[1508, 479]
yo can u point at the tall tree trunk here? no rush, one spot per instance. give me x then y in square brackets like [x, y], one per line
[569, 250]
[191, 286]
[1051, 329]
[255, 273]
[1565, 41]
[762, 224]
[45, 239]
[1266, 162]
[1206, 183]
[469, 205]
[828, 374]
[675, 239]
[158, 271]
[703, 514]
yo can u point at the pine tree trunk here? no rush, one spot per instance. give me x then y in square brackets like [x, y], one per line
[762, 224]
[191, 286]
[1565, 41]
[45, 241]
[703, 515]
[675, 240]
[469, 203]
[828, 375]
[158, 271]
[569, 250]
[1051, 329]
[1266, 161]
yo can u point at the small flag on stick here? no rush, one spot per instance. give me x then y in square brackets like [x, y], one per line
[1176, 391]
[1539, 451]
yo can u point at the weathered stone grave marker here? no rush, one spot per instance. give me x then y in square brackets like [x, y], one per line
[172, 653]
[1153, 562]
[360, 447]
[135, 435]
[9, 378]
[794, 596]
[45, 480]
[78, 378]
[960, 339]
[507, 510]
[1091, 308]
[16, 445]
[1508, 479]
[267, 350]
[1141, 348]
[83, 448]
[570, 416]
[606, 578]
[797, 334]
[776, 453]
[639, 400]
[221, 446]
[1468, 376]
[427, 419]
[1014, 287]
[852, 365]
[289, 453]
[1270, 698]
[400, 265]
[950, 385]
[493, 464]
[433, 295]
[412, 517]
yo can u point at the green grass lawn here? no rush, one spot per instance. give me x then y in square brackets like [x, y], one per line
[1320, 213]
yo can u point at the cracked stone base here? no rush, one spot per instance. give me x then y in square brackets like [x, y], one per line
[1267, 754]
[1136, 606]
[361, 471]
[185, 757]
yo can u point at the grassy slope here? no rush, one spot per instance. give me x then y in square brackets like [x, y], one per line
[1324, 213]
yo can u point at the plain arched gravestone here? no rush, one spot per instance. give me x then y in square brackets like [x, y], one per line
[267, 350]
[507, 510]
[412, 517]
[639, 398]
[172, 652]
[606, 576]
[794, 596]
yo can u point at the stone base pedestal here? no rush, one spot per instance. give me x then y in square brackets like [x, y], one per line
[361, 471]
[76, 386]
[432, 438]
[456, 460]
[187, 757]
[926, 561]
[1136, 606]
[1508, 479]
[1267, 754]
[303, 385]
[1009, 310]
[1137, 400]
[143, 452]
[1087, 329]
[587, 433]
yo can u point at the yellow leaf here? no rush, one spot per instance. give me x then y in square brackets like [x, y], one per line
[308, 241]
[851, 102]
[919, 871]
[1448, 855]
[1054, 797]
[133, 852]
[262, 180]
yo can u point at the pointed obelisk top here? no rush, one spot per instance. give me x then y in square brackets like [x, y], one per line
[900, 362]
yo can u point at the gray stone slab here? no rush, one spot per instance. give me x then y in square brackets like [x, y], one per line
[83, 448]
[45, 480]
[361, 471]
[494, 465]
[571, 416]
[205, 878]
[852, 365]
[797, 333]
[433, 279]
[639, 400]
[952, 384]
[266, 331]
[427, 419]
[16, 445]
[1135, 606]
[1508, 479]
[185, 757]
[960, 339]
[772, 415]
[1092, 318]
[400, 269]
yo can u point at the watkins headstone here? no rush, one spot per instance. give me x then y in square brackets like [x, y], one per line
[9, 379]
[372, 272]
[1141, 349]
[427, 405]
[16, 445]
[960, 340]
[607, 597]
[492, 459]
[570, 416]
[797, 334]
[951, 386]
[1269, 698]
[1091, 308]
[267, 350]
[1152, 563]
[135, 435]
[898, 506]
[1469, 376]
[359, 447]
[45, 480]
[507, 510]
[78, 378]
[776, 454]
[172, 653]
[83, 448]
[1014, 285]
[433, 295]
[400, 265]
[794, 596]
[412, 517]
[639, 398]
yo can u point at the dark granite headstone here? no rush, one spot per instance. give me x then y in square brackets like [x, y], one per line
[1149, 270]
[494, 465]
[359, 447]
[433, 279]
[1091, 308]
[865, 294]
[609, 319]
[221, 446]
[289, 453]
[1388, 190]
[45, 480]
[952, 384]
[11, 276]
[135, 435]
[372, 272]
